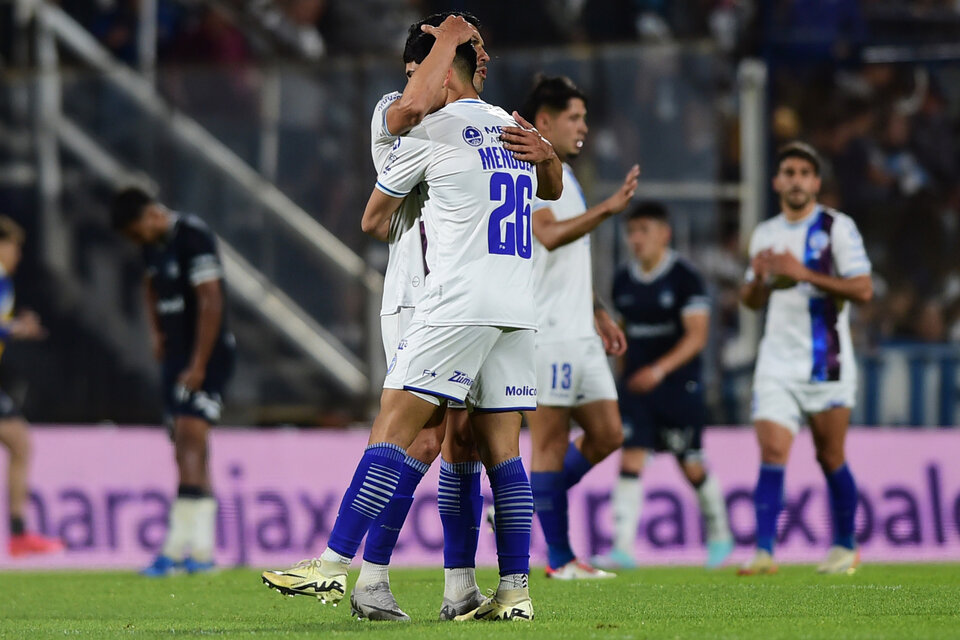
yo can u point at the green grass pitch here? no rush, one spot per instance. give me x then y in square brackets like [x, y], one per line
[879, 601]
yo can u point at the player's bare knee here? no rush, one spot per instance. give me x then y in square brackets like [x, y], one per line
[632, 461]
[16, 437]
[830, 461]
[694, 472]
[774, 454]
[612, 439]
[426, 447]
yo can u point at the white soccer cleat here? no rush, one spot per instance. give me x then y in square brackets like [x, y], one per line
[760, 564]
[840, 560]
[450, 609]
[376, 602]
[520, 610]
[323, 580]
[576, 570]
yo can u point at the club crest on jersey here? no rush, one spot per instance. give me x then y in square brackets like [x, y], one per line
[472, 136]
[459, 377]
[819, 240]
[666, 298]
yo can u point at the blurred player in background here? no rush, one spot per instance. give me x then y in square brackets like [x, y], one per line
[185, 304]
[664, 306]
[573, 376]
[14, 432]
[807, 265]
[472, 332]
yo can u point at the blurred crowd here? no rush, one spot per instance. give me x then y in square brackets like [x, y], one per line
[888, 135]
[887, 131]
[212, 31]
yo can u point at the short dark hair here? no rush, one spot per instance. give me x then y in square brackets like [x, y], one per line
[549, 92]
[802, 150]
[649, 209]
[465, 61]
[127, 206]
[418, 43]
[11, 231]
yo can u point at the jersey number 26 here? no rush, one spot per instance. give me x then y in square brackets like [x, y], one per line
[505, 236]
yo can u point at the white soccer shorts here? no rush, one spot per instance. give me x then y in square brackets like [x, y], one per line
[489, 368]
[573, 373]
[393, 326]
[790, 403]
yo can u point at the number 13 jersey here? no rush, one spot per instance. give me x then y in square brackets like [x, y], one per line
[477, 216]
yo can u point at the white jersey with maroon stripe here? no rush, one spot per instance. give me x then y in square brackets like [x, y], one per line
[807, 334]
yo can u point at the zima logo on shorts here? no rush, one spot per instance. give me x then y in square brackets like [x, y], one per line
[521, 391]
[472, 136]
[459, 377]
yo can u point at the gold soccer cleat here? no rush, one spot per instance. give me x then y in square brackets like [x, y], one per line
[323, 580]
[761, 564]
[840, 560]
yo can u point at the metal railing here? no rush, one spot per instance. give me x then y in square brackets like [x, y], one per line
[57, 28]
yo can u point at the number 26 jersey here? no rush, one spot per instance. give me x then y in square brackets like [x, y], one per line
[477, 216]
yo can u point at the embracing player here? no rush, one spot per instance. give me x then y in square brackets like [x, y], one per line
[472, 331]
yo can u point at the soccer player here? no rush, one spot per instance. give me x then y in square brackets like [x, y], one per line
[806, 265]
[394, 115]
[471, 334]
[665, 309]
[14, 433]
[189, 337]
[573, 377]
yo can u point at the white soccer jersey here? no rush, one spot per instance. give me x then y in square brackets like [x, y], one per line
[403, 283]
[807, 332]
[477, 220]
[564, 277]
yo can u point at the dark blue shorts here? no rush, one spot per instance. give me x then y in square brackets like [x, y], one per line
[669, 418]
[205, 403]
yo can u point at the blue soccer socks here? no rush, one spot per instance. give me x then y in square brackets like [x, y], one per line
[843, 505]
[461, 507]
[575, 466]
[373, 485]
[385, 530]
[513, 501]
[550, 500]
[768, 501]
